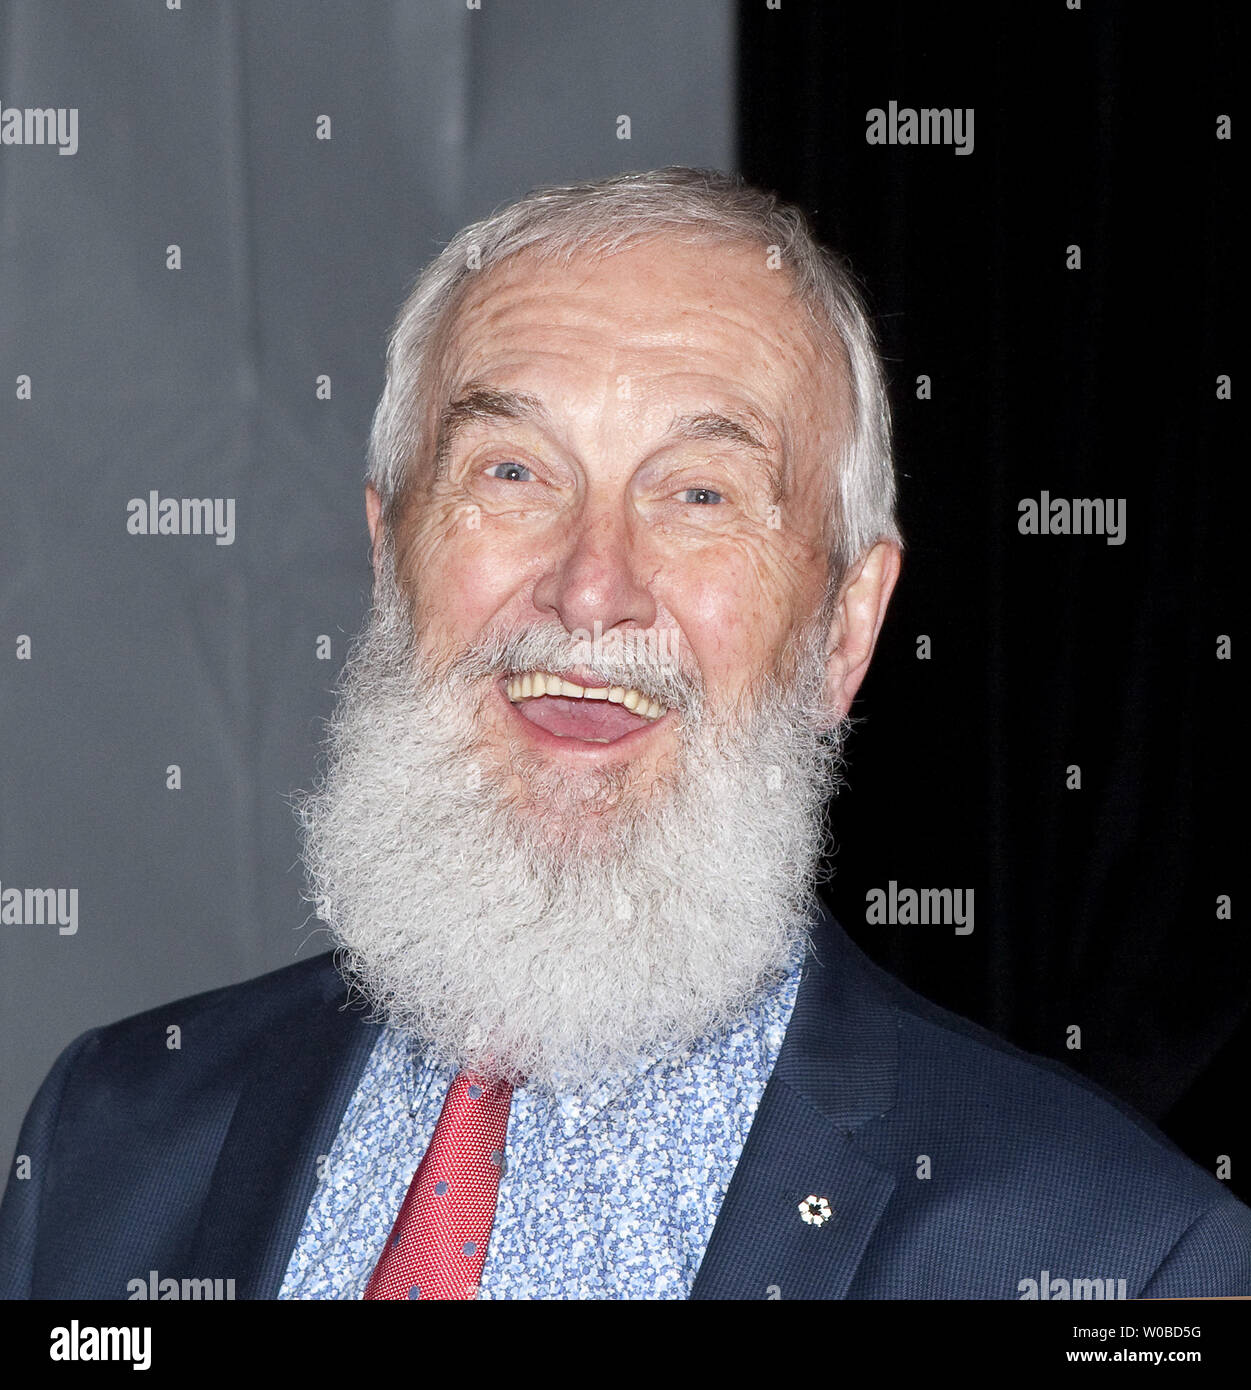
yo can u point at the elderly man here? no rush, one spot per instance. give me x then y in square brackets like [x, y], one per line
[631, 505]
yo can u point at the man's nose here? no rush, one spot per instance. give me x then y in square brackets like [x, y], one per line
[595, 574]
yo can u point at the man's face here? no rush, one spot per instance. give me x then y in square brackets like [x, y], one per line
[550, 886]
[639, 442]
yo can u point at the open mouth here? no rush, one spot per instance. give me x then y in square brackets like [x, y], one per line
[566, 709]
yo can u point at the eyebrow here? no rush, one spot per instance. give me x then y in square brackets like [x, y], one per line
[479, 403]
[728, 429]
[710, 425]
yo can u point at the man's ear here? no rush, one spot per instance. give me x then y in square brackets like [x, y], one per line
[373, 515]
[862, 600]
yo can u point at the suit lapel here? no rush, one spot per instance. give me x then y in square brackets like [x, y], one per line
[838, 1069]
[287, 1115]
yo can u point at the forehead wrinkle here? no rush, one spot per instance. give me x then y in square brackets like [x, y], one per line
[515, 293]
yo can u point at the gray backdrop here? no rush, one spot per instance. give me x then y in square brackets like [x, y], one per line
[197, 128]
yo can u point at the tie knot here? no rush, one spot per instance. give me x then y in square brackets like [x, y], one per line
[479, 1087]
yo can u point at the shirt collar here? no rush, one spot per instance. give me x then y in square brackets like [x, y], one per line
[564, 1111]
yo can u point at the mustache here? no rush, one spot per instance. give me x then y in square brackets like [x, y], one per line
[643, 659]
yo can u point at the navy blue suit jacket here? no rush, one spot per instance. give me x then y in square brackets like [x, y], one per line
[201, 1162]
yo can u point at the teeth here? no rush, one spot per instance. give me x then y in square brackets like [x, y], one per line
[535, 683]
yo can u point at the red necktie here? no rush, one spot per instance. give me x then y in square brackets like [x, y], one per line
[438, 1244]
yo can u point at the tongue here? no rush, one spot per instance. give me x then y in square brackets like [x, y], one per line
[573, 718]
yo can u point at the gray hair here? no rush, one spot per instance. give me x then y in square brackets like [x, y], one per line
[606, 216]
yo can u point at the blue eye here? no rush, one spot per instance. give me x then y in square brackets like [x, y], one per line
[512, 473]
[702, 496]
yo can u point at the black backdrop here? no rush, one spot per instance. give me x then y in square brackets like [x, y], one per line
[1097, 128]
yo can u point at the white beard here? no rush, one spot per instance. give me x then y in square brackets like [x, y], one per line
[514, 935]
